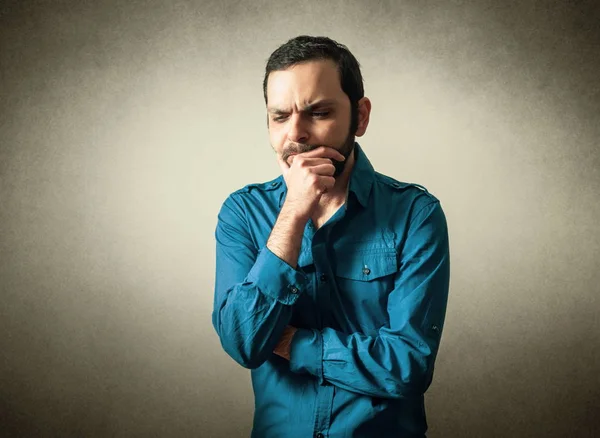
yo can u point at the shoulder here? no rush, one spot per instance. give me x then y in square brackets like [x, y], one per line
[409, 200]
[415, 207]
[395, 187]
[261, 187]
[252, 196]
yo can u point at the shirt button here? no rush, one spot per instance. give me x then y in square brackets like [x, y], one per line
[319, 435]
[323, 277]
[294, 290]
[366, 271]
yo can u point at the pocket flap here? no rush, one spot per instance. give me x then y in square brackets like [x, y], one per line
[358, 263]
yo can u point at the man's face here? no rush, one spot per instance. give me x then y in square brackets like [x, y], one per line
[307, 108]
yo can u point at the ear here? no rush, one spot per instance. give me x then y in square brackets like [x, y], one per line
[364, 111]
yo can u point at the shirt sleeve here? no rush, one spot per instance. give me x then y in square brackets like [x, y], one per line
[398, 361]
[254, 290]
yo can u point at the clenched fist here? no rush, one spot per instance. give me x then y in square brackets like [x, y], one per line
[308, 175]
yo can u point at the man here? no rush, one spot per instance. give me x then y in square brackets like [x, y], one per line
[332, 279]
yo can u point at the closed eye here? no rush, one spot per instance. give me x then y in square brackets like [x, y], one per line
[315, 114]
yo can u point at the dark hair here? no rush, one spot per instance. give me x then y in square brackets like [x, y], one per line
[305, 48]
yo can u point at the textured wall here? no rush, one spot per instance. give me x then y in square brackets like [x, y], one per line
[124, 125]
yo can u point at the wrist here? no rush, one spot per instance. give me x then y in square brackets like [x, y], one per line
[285, 240]
[293, 215]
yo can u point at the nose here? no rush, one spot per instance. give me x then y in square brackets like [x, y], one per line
[297, 129]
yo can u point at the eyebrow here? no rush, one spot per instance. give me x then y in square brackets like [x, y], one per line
[306, 108]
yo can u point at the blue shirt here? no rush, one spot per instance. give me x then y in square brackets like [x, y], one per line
[368, 296]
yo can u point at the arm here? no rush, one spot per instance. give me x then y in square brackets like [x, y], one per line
[285, 239]
[398, 361]
[254, 292]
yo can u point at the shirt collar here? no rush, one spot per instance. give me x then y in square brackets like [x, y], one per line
[361, 178]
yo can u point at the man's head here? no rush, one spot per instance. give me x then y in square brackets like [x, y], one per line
[313, 90]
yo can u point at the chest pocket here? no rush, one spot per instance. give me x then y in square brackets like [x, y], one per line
[365, 263]
[365, 276]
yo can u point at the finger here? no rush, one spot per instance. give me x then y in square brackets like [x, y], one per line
[326, 183]
[325, 152]
[323, 169]
[329, 181]
[289, 160]
[310, 162]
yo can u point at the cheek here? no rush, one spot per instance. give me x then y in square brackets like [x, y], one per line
[276, 138]
[336, 131]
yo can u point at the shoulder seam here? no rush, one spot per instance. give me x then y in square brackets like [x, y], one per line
[393, 182]
[435, 201]
[264, 186]
[396, 184]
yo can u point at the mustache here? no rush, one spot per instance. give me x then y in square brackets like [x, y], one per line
[297, 148]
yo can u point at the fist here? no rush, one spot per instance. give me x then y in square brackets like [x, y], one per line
[308, 175]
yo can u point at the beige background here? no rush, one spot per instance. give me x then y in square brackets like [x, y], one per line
[124, 125]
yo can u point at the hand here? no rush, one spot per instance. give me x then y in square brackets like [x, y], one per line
[309, 175]
[283, 346]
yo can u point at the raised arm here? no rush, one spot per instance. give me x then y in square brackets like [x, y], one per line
[254, 290]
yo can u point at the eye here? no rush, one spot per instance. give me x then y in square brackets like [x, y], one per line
[278, 119]
[320, 114]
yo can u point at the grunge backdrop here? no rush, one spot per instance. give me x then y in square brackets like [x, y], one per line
[125, 124]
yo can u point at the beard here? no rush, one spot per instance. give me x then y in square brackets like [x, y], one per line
[346, 148]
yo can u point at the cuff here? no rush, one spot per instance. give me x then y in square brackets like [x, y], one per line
[277, 279]
[306, 353]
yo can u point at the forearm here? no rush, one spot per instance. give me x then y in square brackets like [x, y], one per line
[378, 366]
[284, 242]
[250, 323]
[285, 239]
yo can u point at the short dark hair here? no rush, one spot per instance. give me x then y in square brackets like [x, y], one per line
[306, 48]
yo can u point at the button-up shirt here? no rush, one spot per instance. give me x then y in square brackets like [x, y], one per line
[368, 298]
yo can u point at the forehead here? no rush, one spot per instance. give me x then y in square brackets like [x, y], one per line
[305, 83]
